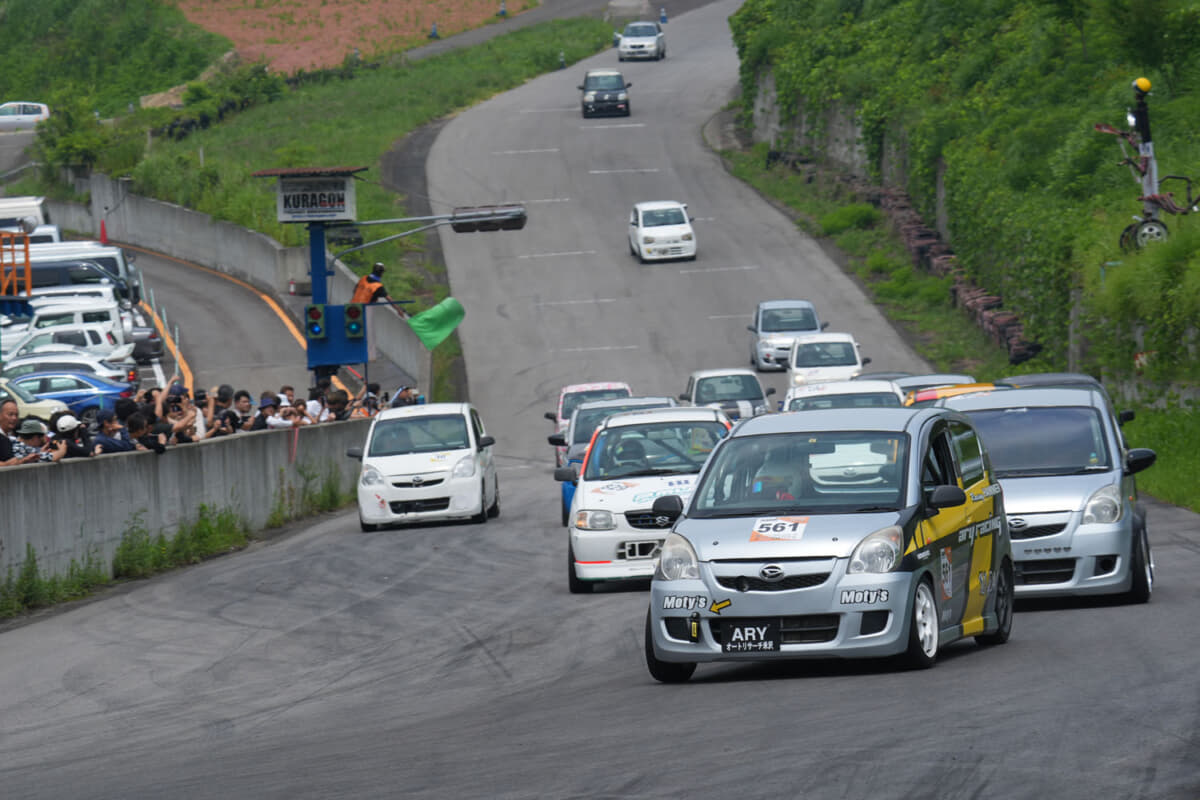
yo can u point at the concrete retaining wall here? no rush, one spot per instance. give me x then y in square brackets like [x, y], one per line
[83, 506]
[253, 257]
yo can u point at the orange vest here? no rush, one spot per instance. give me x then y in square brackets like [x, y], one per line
[364, 290]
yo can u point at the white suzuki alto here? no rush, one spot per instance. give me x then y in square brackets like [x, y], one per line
[426, 462]
[633, 458]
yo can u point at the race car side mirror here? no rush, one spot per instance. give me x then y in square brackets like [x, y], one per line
[557, 439]
[566, 474]
[1139, 458]
[354, 452]
[550, 416]
[946, 496]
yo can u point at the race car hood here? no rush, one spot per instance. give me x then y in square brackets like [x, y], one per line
[666, 234]
[1045, 494]
[734, 409]
[825, 374]
[634, 492]
[424, 464]
[788, 536]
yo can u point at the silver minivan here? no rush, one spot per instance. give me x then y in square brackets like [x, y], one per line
[1069, 490]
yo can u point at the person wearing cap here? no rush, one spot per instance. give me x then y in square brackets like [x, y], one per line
[369, 288]
[404, 396]
[66, 427]
[268, 416]
[339, 406]
[31, 440]
[112, 436]
[219, 415]
[10, 413]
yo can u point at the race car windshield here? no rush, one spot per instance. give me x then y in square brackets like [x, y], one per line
[573, 400]
[601, 83]
[861, 400]
[586, 420]
[820, 473]
[396, 437]
[640, 30]
[663, 216]
[659, 448]
[1053, 440]
[824, 354]
[728, 389]
[777, 320]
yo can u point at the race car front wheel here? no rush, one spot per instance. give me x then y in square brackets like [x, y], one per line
[665, 671]
[922, 629]
[1005, 594]
[573, 583]
[1141, 570]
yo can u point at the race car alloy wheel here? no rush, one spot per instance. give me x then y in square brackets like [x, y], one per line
[665, 671]
[573, 582]
[1004, 607]
[922, 628]
[1141, 570]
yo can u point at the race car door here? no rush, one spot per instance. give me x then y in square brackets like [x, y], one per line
[942, 531]
[982, 524]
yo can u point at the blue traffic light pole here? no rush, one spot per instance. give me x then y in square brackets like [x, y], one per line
[318, 269]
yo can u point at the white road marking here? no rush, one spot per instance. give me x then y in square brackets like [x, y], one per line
[595, 349]
[563, 253]
[620, 125]
[745, 268]
[577, 302]
[729, 316]
[523, 152]
[618, 171]
[159, 377]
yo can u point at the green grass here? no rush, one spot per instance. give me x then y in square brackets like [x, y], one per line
[1174, 434]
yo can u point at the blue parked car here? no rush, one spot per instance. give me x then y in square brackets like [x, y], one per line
[85, 395]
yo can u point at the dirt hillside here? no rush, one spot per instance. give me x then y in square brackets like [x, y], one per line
[303, 34]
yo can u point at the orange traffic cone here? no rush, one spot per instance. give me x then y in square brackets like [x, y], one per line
[103, 233]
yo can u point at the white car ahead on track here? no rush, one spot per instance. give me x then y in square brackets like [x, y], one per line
[661, 230]
[824, 358]
[642, 40]
[426, 462]
[634, 458]
[843, 394]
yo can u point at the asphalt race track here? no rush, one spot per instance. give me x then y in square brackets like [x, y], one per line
[449, 661]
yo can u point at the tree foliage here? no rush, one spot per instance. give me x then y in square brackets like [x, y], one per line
[993, 103]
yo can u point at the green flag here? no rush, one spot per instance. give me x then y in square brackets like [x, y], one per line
[435, 324]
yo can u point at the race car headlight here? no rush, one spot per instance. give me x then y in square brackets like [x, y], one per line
[370, 477]
[760, 409]
[1103, 507]
[589, 97]
[687, 237]
[677, 560]
[588, 520]
[465, 468]
[623, 96]
[799, 379]
[878, 552]
[647, 239]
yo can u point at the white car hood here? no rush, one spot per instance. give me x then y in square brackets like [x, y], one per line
[635, 492]
[416, 463]
[667, 233]
[825, 374]
[644, 41]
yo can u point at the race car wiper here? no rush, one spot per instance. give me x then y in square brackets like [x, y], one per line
[868, 509]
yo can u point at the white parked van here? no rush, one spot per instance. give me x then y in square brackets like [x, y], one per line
[114, 259]
[14, 210]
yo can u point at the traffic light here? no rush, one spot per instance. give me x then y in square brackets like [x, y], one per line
[488, 218]
[314, 321]
[356, 323]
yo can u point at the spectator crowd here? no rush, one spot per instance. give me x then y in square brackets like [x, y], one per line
[159, 418]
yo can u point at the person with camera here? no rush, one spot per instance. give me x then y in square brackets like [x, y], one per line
[66, 427]
[221, 417]
[31, 440]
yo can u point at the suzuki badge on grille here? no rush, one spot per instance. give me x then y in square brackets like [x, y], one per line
[662, 521]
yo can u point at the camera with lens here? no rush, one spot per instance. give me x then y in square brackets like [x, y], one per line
[201, 396]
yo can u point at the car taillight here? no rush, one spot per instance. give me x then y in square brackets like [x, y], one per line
[111, 340]
[127, 393]
[132, 375]
[153, 334]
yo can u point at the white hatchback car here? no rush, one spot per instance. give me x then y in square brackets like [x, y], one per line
[22, 116]
[824, 357]
[642, 40]
[426, 462]
[634, 458]
[661, 230]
